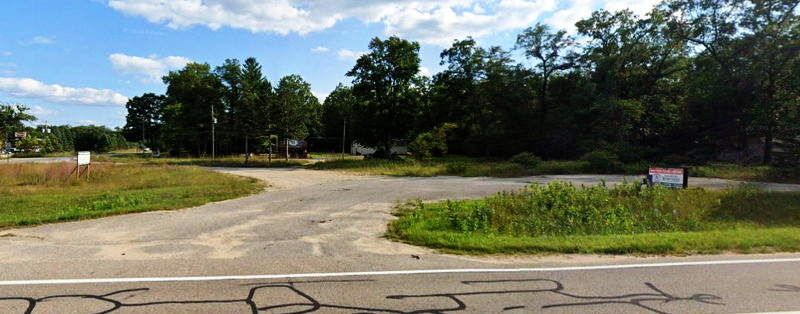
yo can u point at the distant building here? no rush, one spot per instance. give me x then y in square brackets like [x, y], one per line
[297, 149]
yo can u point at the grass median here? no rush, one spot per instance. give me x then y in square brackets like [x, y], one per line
[33, 194]
[625, 219]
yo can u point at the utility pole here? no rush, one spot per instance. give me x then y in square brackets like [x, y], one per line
[213, 122]
[344, 134]
[142, 136]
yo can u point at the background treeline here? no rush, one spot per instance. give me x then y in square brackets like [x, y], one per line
[691, 81]
[232, 107]
[55, 138]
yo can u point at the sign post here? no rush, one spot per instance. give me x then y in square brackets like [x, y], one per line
[84, 159]
[669, 177]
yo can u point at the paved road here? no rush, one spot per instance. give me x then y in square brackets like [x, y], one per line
[326, 222]
[36, 160]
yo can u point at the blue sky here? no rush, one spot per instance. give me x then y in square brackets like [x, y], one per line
[77, 61]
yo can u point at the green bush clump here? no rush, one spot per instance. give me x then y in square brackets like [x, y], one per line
[560, 208]
[526, 159]
[602, 161]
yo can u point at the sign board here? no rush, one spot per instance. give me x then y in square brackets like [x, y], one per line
[20, 134]
[84, 158]
[669, 177]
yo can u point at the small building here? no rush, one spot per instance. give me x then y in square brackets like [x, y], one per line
[298, 149]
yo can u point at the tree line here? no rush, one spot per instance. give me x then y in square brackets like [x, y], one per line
[229, 109]
[55, 138]
[692, 80]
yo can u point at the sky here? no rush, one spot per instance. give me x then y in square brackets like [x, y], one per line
[77, 62]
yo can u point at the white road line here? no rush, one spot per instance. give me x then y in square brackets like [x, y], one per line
[389, 273]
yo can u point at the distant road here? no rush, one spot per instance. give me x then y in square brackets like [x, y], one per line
[35, 160]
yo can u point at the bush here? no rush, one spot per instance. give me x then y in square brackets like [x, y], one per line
[602, 161]
[674, 160]
[526, 159]
[560, 208]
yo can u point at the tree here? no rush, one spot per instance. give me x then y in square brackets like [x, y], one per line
[337, 112]
[194, 96]
[773, 46]
[382, 83]
[144, 119]
[551, 50]
[297, 110]
[11, 118]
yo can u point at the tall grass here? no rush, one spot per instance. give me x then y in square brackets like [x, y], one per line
[224, 161]
[41, 193]
[595, 213]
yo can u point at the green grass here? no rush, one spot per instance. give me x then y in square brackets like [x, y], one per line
[459, 166]
[33, 194]
[254, 162]
[561, 218]
[38, 155]
[476, 167]
[748, 173]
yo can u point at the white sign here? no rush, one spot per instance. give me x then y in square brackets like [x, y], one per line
[84, 158]
[670, 177]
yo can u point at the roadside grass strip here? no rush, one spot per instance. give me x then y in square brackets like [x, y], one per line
[32, 194]
[624, 219]
[499, 168]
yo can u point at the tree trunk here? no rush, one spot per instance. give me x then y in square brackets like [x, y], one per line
[246, 151]
[768, 141]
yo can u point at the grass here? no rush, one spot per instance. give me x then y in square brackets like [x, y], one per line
[561, 218]
[748, 173]
[38, 155]
[32, 194]
[238, 162]
[451, 166]
[476, 167]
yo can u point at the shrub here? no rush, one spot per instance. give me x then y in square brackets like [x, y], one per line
[602, 161]
[526, 159]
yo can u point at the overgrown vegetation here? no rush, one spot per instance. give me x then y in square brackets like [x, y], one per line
[560, 217]
[227, 161]
[526, 164]
[41, 193]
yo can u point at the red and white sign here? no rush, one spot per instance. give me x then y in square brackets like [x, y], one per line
[671, 177]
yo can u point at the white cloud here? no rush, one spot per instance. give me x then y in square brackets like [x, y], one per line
[6, 53]
[87, 122]
[39, 111]
[320, 49]
[429, 21]
[30, 88]
[39, 40]
[150, 69]
[581, 9]
[424, 71]
[347, 54]
[320, 95]
[8, 72]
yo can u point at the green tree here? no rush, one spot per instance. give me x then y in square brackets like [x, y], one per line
[383, 82]
[194, 94]
[337, 113]
[551, 51]
[11, 118]
[773, 46]
[253, 117]
[144, 119]
[296, 110]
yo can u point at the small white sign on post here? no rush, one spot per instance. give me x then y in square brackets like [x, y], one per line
[84, 158]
